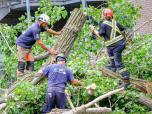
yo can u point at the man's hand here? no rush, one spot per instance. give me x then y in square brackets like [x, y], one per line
[92, 28]
[51, 31]
[76, 82]
[52, 51]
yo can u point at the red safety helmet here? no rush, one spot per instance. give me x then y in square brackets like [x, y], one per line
[108, 13]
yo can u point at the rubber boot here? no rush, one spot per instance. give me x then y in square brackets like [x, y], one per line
[30, 66]
[111, 66]
[126, 77]
[21, 68]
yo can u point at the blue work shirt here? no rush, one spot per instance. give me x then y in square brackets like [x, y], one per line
[105, 31]
[28, 38]
[58, 75]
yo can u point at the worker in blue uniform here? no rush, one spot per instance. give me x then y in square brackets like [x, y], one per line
[113, 34]
[26, 41]
[58, 75]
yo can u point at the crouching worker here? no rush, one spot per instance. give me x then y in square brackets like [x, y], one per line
[58, 75]
[113, 34]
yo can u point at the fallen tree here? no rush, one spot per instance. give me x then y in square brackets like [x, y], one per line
[143, 85]
[63, 45]
[82, 109]
[98, 110]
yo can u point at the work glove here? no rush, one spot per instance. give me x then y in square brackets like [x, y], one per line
[93, 36]
[92, 28]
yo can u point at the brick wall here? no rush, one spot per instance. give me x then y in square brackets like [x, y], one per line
[146, 14]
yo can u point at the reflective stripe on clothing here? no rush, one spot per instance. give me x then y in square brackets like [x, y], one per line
[111, 57]
[110, 24]
[113, 38]
[112, 41]
[122, 70]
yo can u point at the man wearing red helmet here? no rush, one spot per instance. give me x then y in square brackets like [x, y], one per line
[113, 34]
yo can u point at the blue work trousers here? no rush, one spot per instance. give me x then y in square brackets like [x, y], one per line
[115, 54]
[54, 99]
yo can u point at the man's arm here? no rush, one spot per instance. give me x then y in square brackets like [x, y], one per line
[76, 82]
[72, 80]
[39, 41]
[45, 71]
[51, 31]
[51, 50]
[40, 72]
[92, 28]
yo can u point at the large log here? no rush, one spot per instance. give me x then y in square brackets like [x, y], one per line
[143, 85]
[41, 56]
[145, 101]
[98, 110]
[83, 108]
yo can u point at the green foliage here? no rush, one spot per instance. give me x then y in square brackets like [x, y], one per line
[103, 85]
[126, 102]
[139, 62]
[55, 13]
[10, 34]
[29, 99]
[125, 12]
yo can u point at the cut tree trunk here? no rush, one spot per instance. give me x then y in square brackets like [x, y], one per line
[143, 85]
[3, 105]
[99, 110]
[83, 108]
[41, 57]
[145, 101]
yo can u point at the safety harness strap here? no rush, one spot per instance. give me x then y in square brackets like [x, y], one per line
[113, 38]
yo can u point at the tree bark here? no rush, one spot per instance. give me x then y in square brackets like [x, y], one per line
[83, 108]
[99, 110]
[41, 57]
[143, 85]
[145, 101]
